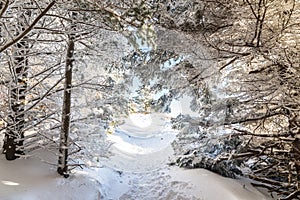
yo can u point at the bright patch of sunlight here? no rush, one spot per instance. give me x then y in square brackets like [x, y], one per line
[82, 172]
[126, 147]
[140, 120]
[10, 183]
[176, 108]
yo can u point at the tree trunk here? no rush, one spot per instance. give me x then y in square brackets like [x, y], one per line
[13, 142]
[66, 110]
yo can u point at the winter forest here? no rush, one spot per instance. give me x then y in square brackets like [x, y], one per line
[149, 99]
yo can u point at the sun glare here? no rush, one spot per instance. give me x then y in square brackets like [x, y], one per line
[141, 120]
[10, 183]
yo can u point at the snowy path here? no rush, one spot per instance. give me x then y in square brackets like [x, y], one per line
[141, 153]
[142, 147]
[137, 171]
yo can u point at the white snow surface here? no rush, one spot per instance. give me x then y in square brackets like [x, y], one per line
[137, 170]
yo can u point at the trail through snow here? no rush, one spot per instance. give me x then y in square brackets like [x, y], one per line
[138, 170]
[141, 152]
[142, 148]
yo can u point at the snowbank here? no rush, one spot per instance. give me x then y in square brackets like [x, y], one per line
[32, 179]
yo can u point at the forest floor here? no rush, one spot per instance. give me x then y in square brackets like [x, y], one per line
[138, 170]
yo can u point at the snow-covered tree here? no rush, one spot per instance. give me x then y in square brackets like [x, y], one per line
[256, 44]
[47, 35]
[18, 20]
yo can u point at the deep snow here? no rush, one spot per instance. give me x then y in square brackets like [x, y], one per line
[137, 170]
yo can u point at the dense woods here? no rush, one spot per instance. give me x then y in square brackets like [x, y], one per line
[256, 45]
[247, 80]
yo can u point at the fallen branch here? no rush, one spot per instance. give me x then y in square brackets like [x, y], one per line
[245, 132]
[270, 181]
[291, 196]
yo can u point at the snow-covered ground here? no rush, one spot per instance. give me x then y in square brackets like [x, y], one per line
[142, 151]
[33, 179]
[138, 170]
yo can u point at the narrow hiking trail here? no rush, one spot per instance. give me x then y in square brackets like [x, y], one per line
[137, 170]
[141, 151]
[142, 148]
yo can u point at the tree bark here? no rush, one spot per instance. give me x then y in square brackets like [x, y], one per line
[19, 70]
[66, 110]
